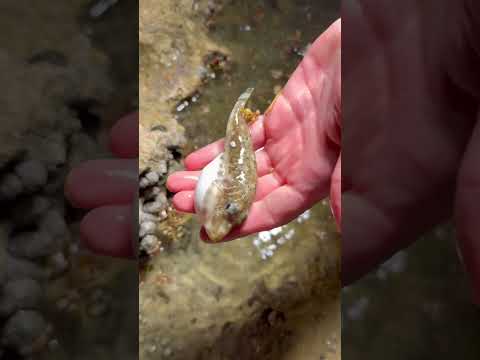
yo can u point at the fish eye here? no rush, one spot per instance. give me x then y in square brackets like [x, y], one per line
[231, 208]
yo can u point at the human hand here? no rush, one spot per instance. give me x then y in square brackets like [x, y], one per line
[108, 187]
[410, 111]
[297, 145]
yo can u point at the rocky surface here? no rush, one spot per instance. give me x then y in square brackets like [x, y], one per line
[173, 47]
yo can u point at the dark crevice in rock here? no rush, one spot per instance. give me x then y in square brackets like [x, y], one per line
[176, 152]
[83, 109]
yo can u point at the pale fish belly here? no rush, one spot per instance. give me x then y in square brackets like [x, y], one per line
[210, 174]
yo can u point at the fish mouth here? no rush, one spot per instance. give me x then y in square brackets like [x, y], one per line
[216, 233]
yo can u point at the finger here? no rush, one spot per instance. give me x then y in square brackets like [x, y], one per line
[102, 182]
[124, 137]
[467, 210]
[264, 164]
[107, 230]
[336, 193]
[198, 159]
[184, 201]
[182, 180]
[266, 184]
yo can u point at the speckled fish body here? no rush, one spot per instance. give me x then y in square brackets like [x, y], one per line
[226, 188]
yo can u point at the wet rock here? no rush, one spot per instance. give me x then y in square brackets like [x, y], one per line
[54, 223]
[147, 217]
[154, 149]
[57, 264]
[143, 183]
[147, 227]
[26, 331]
[150, 244]
[162, 167]
[51, 150]
[10, 187]
[20, 294]
[32, 244]
[32, 173]
[22, 268]
[158, 205]
[152, 177]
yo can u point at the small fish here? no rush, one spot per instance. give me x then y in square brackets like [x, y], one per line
[226, 188]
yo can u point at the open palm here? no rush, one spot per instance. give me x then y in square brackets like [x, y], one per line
[296, 143]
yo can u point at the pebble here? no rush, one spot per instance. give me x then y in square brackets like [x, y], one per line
[152, 207]
[161, 167]
[57, 264]
[10, 187]
[26, 331]
[147, 217]
[32, 173]
[32, 245]
[152, 177]
[147, 227]
[156, 206]
[53, 222]
[20, 294]
[150, 244]
[143, 183]
[22, 268]
[53, 151]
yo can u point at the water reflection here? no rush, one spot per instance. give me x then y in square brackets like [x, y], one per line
[267, 242]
